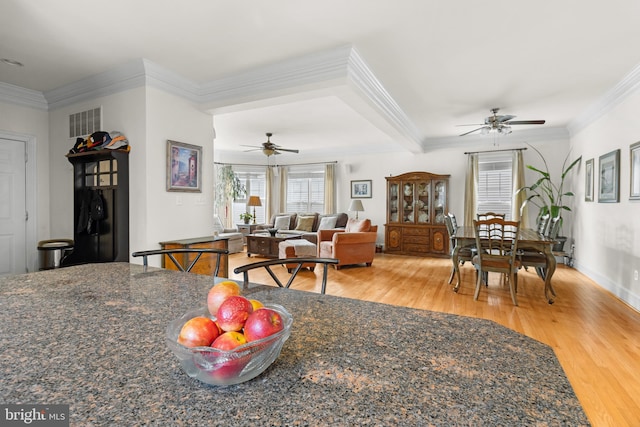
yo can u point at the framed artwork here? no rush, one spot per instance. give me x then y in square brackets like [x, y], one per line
[361, 189]
[634, 155]
[588, 181]
[184, 165]
[609, 191]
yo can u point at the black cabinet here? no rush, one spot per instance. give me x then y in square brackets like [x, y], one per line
[100, 206]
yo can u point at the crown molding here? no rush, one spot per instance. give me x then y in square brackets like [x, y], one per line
[622, 90]
[370, 88]
[124, 77]
[12, 94]
[334, 69]
[308, 72]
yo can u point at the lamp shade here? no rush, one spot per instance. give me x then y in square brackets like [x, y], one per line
[356, 206]
[254, 201]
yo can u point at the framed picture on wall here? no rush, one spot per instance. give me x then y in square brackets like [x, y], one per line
[184, 167]
[588, 181]
[361, 189]
[634, 155]
[609, 190]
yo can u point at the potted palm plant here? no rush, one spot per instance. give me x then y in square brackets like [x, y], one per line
[548, 195]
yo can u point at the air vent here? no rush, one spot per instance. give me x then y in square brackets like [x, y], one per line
[85, 123]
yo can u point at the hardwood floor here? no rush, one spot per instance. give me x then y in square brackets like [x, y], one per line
[595, 336]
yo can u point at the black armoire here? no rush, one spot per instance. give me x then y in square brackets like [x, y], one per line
[100, 206]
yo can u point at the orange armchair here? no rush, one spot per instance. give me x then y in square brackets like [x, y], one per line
[356, 244]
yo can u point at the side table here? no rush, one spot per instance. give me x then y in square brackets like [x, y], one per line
[247, 229]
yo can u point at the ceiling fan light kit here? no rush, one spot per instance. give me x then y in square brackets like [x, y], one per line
[500, 123]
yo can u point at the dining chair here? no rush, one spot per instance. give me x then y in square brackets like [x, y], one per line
[465, 253]
[537, 259]
[497, 243]
[170, 253]
[244, 269]
[489, 215]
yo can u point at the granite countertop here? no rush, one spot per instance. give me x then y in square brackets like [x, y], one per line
[93, 337]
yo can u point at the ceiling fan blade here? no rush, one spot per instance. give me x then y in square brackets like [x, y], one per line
[253, 149]
[252, 146]
[473, 124]
[288, 149]
[502, 119]
[527, 122]
[472, 131]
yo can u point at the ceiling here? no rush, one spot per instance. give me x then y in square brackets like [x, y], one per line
[443, 63]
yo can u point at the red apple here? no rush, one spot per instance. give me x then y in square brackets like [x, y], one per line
[262, 323]
[220, 292]
[197, 332]
[229, 368]
[233, 312]
[229, 340]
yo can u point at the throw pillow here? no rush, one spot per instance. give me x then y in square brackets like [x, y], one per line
[327, 223]
[305, 223]
[282, 222]
[358, 225]
[217, 225]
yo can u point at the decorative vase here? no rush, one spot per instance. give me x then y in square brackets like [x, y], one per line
[246, 220]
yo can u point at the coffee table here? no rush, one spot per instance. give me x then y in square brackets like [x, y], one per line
[266, 245]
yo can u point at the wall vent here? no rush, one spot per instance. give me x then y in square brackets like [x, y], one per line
[85, 123]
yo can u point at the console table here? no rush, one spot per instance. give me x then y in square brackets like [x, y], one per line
[207, 263]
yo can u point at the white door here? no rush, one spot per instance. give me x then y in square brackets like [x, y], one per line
[13, 259]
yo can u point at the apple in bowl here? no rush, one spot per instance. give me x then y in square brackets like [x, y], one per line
[262, 323]
[252, 358]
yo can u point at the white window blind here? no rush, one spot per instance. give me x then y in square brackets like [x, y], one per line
[495, 183]
[305, 189]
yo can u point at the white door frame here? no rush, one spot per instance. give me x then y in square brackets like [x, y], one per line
[31, 196]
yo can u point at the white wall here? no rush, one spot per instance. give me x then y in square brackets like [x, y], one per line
[124, 112]
[608, 234]
[172, 215]
[148, 118]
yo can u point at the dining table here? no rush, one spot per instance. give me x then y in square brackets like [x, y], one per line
[90, 342]
[528, 240]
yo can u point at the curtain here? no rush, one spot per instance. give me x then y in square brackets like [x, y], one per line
[518, 182]
[268, 210]
[329, 188]
[470, 189]
[282, 175]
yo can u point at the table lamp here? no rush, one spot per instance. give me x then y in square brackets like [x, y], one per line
[356, 206]
[254, 201]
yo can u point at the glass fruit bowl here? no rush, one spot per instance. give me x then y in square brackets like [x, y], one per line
[220, 367]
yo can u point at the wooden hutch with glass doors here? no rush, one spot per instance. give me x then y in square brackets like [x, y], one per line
[416, 206]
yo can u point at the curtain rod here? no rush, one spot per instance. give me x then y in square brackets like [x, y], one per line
[495, 151]
[293, 164]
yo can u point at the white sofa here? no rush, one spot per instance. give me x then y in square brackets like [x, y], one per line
[235, 238]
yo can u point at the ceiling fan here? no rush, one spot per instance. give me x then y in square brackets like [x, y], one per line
[269, 148]
[500, 123]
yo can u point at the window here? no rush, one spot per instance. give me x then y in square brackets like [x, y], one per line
[495, 183]
[254, 180]
[305, 189]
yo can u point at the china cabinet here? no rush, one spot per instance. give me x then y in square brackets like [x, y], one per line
[416, 206]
